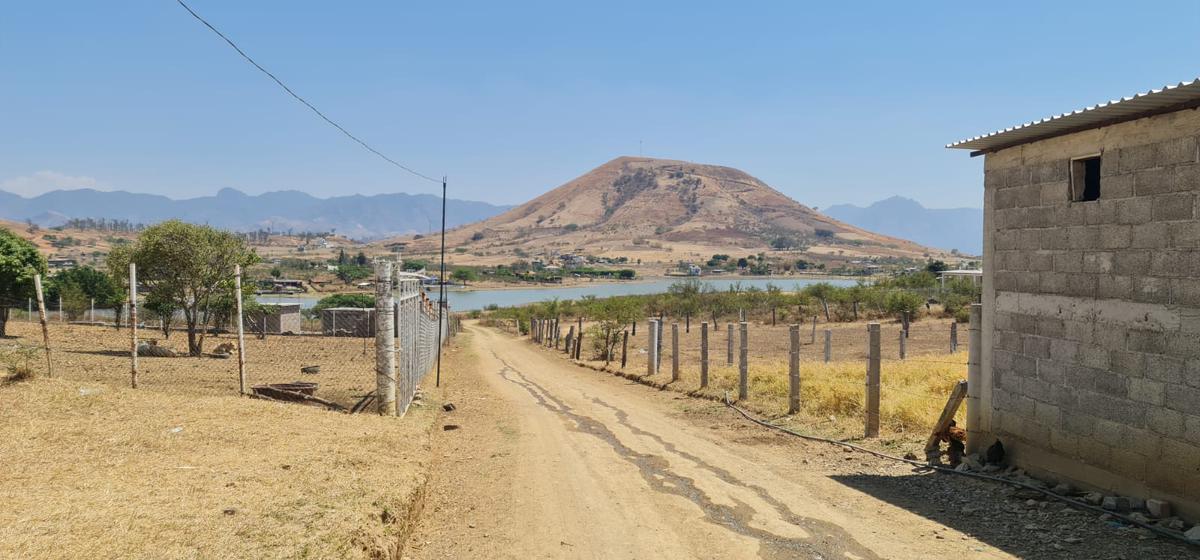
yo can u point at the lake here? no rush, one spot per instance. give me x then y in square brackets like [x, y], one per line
[470, 299]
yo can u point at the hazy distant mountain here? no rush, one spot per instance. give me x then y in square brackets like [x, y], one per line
[949, 228]
[355, 216]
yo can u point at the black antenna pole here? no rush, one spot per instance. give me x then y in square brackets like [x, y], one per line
[441, 289]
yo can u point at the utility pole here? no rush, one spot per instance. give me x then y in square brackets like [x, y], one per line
[441, 289]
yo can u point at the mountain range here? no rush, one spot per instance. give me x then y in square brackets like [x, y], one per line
[661, 210]
[947, 228]
[354, 216]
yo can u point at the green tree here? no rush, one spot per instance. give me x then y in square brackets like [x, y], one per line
[348, 273]
[360, 259]
[822, 292]
[936, 267]
[276, 272]
[611, 315]
[365, 301]
[188, 264]
[81, 285]
[19, 263]
[464, 275]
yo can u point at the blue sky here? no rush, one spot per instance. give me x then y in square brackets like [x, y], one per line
[831, 102]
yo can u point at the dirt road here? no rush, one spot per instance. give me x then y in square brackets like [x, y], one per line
[555, 461]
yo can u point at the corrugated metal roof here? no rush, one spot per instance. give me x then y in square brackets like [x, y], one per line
[1155, 101]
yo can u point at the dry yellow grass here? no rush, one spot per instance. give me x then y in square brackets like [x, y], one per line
[98, 354]
[913, 391]
[95, 470]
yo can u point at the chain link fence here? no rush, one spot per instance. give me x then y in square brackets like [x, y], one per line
[289, 351]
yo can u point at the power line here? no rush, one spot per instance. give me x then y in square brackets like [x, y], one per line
[301, 99]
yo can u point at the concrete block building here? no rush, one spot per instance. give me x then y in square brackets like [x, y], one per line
[275, 319]
[1090, 362]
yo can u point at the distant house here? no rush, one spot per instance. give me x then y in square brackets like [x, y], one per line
[693, 270]
[281, 286]
[59, 263]
[1091, 296]
[275, 319]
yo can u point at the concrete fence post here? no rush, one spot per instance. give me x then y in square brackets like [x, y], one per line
[954, 337]
[652, 357]
[729, 344]
[794, 369]
[974, 378]
[133, 327]
[385, 339]
[624, 347]
[872, 400]
[903, 345]
[241, 335]
[743, 361]
[703, 355]
[674, 352]
[37, 287]
[661, 338]
[828, 345]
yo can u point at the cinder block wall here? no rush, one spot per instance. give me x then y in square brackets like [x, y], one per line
[1092, 309]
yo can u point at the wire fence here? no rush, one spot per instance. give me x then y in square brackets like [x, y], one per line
[917, 367]
[289, 351]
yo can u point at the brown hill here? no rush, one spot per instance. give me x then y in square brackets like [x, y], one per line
[661, 210]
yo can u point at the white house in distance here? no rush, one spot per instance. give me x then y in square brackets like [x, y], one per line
[1090, 361]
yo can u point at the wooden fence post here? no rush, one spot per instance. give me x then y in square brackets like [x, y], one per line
[903, 346]
[828, 345]
[674, 352]
[37, 285]
[703, 355]
[872, 419]
[954, 337]
[570, 344]
[794, 370]
[772, 316]
[652, 350]
[813, 338]
[385, 339]
[943, 423]
[635, 328]
[687, 323]
[729, 344]
[624, 347]
[133, 326]
[743, 359]
[904, 317]
[241, 338]
[579, 344]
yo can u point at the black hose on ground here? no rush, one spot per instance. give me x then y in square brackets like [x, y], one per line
[1073, 502]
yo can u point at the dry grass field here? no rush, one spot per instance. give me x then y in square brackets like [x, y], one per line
[98, 354]
[913, 391]
[190, 470]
